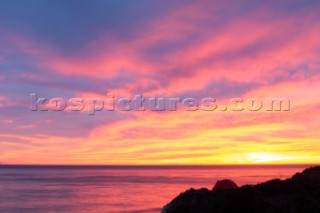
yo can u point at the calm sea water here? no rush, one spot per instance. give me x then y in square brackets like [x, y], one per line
[115, 189]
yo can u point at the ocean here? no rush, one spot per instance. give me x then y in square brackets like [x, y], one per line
[114, 189]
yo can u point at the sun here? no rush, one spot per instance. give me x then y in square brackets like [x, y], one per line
[261, 157]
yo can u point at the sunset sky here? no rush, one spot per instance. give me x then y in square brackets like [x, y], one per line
[166, 48]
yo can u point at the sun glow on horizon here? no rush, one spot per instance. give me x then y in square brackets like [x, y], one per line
[263, 157]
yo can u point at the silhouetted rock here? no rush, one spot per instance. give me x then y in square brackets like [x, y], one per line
[225, 184]
[299, 194]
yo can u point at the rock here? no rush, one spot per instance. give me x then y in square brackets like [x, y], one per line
[225, 184]
[299, 194]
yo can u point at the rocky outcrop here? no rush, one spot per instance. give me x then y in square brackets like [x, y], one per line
[225, 184]
[299, 194]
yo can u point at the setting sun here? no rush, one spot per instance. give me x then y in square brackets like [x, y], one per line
[261, 157]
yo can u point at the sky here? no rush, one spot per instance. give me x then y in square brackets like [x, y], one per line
[168, 48]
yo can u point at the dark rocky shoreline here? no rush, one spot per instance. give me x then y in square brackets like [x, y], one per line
[298, 194]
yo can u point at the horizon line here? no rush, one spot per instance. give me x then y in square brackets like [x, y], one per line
[161, 165]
